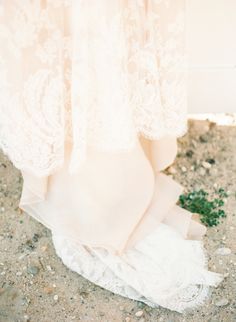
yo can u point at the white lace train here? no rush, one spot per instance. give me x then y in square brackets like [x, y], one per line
[145, 272]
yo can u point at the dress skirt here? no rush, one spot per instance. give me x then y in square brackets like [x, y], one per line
[116, 222]
[93, 96]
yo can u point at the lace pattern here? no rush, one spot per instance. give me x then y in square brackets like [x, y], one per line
[67, 73]
[141, 274]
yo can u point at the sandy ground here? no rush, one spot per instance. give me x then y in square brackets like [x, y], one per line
[36, 286]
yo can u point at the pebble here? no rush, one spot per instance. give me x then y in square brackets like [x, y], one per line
[33, 270]
[222, 302]
[127, 319]
[18, 273]
[206, 165]
[189, 153]
[35, 237]
[55, 297]
[48, 290]
[223, 251]
[211, 160]
[21, 256]
[121, 308]
[139, 313]
[44, 248]
[203, 138]
[184, 169]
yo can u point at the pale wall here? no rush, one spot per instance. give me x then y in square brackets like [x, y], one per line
[211, 44]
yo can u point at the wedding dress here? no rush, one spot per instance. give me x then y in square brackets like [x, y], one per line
[92, 101]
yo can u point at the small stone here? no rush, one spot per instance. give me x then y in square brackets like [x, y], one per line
[189, 153]
[22, 256]
[3, 273]
[35, 237]
[206, 165]
[121, 308]
[48, 290]
[222, 302]
[184, 169]
[211, 161]
[127, 319]
[55, 297]
[18, 273]
[139, 313]
[223, 251]
[48, 267]
[33, 270]
[203, 138]
[29, 244]
[44, 248]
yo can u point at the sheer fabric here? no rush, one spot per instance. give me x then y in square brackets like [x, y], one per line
[92, 99]
[67, 72]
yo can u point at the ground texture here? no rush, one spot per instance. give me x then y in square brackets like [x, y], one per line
[35, 285]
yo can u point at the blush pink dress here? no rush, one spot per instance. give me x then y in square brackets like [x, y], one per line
[92, 101]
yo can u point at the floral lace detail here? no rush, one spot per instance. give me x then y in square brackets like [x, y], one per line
[67, 73]
[145, 272]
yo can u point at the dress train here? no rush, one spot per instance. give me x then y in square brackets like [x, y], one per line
[156, 256]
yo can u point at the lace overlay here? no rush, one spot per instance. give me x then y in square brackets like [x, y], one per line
[142, 275]
[67, 73]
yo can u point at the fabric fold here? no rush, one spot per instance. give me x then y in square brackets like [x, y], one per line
[115, 200]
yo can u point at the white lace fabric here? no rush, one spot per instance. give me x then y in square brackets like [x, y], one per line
[67, 72]
[96, 75]
[145, 272]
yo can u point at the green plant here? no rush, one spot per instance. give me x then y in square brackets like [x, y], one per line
[209, 210]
